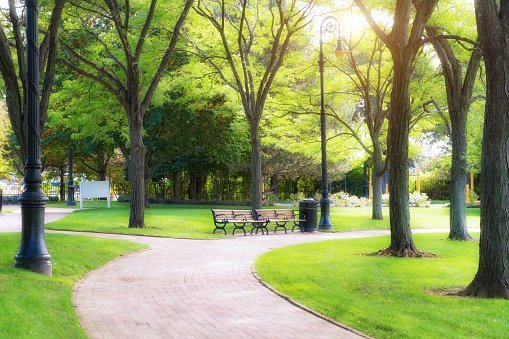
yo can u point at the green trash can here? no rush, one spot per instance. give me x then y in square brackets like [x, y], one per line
[308, 209]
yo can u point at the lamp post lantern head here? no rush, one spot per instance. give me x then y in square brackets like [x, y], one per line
[341, 51]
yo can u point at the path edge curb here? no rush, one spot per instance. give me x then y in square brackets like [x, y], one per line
[305, 308]
[82, 278]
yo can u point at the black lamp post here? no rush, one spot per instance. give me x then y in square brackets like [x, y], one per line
[33, 254]
[329, 25]
[70, 183]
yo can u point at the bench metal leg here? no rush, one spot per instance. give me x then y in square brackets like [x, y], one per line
[237, 227]
[280, 225]
[219, 228]
[260, 226]
[296, 224]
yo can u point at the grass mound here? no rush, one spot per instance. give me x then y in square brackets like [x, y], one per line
[388, 297]
[195, 221]
[36, 306]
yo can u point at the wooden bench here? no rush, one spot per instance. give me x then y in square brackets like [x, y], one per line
[280, 217]
[239, 219]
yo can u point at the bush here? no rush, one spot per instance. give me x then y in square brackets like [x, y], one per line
[472, 199]
[385, 199]
[270, 199]
[123, 198]
[343, 199]
[416, 199]
[295, 198]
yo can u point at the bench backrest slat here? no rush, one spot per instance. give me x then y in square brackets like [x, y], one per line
[232, 214]
[277, 214]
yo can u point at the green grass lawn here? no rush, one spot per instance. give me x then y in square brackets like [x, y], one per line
[359, 218]
[179, 221]
[195, 221]
[388, 297]
[36, 306]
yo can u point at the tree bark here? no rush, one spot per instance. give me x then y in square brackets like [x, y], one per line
[16, 83]
[404, 41]
[136, 173]
[459, 94]
[492, 278]
[399, 121]
[102, 168]
[457, 215]
[256, 164]
[378, 167]
[62, 183]
[274, 184]
[191, 190]
[176, 185]
[146, 178]
[201, 182]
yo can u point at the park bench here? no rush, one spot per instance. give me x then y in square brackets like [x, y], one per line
[239, 219]
[280, 218]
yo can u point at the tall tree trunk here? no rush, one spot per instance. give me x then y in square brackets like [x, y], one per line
[201, 182]
[378, 167]
[137, 173]
[457, 215]
[191, 190]
[146, 178]
[274, 184]
[62, 183]
[103, 167]
[492, 278]
[399, 121]
[459, 94]
[176, 185]
[295, 186]
[256, 164]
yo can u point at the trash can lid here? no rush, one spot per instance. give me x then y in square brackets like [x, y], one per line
[309, 200]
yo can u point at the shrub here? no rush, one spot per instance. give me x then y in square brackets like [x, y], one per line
[123, 198]
[270, 199]
[343, 199]
[416, 199]
[472, 199]
[385, 199]
[295, 198]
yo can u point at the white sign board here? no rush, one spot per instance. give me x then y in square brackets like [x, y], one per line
[94, 189]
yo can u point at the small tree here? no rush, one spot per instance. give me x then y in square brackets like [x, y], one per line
[492, 278]
[459, 88]
[372, 81]
[254, 37]
[121, 38]
[13, 68]
[404, 41]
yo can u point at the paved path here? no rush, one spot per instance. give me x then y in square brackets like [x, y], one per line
[196, 289]
[193, 289]
[11, 222]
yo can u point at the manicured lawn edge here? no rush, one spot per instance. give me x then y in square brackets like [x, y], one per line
[303, 307]
[91, 233]
[34, 305]
[387, 297]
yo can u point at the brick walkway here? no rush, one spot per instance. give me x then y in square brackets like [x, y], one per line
[193, 289]
[11, 222]
[196, 289]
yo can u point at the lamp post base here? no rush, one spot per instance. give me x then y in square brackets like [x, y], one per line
[33, 254]
[70, 197]
[42, 266]
[325, 224]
